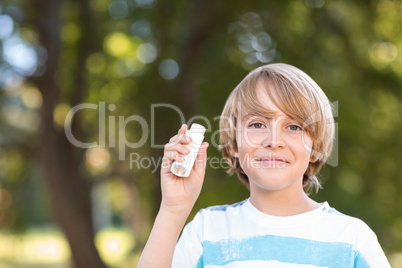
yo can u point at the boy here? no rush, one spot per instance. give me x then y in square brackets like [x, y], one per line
[276, 132]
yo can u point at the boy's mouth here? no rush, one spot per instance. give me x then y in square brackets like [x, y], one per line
[273, 159]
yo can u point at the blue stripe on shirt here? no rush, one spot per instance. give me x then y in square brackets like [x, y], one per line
[200, 263]
[360, 261]
[283, 249]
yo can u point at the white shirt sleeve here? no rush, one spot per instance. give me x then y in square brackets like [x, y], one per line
[370, 254]
[189, 248]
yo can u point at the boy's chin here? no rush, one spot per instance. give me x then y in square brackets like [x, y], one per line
[270, 187]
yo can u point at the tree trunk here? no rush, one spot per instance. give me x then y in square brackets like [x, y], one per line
[69, 191]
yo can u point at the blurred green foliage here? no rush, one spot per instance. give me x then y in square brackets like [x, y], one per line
[352, 49]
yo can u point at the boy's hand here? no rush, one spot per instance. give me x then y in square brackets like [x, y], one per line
[179, 194]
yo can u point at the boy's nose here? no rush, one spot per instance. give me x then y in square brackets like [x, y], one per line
[273, 140]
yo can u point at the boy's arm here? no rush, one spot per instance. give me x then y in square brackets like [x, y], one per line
[178, 198]
[158, 251]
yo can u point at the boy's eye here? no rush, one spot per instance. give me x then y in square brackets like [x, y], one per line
[256, 125]
[294, 127]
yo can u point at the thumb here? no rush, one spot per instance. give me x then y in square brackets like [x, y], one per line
[201, 160]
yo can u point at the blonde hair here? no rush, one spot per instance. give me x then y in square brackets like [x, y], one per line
[297, 96]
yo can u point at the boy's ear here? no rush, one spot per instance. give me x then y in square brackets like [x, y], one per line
[313, 158]
[234, 153]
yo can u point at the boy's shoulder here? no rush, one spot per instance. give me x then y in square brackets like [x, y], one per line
[347, 228]
[225, 207]
[335, 214]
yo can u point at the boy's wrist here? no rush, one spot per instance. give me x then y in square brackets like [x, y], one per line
[175, 209]
[173, 217]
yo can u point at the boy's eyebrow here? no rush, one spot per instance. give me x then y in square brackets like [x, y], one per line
[262, 114]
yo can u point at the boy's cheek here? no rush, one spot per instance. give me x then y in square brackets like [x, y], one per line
[307, 142]
[252, 140]
[247, 145]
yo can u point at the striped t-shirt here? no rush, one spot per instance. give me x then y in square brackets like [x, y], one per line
[240, 235]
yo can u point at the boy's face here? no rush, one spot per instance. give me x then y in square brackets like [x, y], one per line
[273, 150]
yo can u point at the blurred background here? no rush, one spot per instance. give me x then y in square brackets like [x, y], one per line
[93, 205]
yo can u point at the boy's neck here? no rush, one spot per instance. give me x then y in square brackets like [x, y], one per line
[277, 203]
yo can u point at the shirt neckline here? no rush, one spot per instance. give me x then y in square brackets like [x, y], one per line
[284, 221]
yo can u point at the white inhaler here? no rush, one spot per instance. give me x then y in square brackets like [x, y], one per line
[196, 132]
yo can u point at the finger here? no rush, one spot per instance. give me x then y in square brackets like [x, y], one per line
[174, 156]
[183, 129]
[201, 160]
[181, 135]
[169, 158]
[184, 139]
[180, 148]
